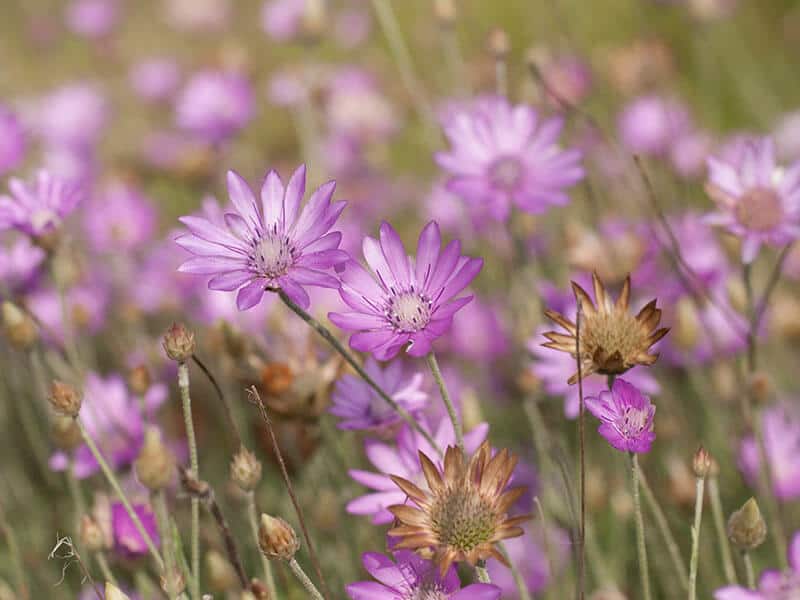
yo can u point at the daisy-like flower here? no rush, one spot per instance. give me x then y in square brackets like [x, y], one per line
[626, 417]
[773, 584]
[464, 512]
[500, 153]
[360, 407]
[758, 201]
[410, 577]
[37, 207]
[404, 301]
[611, 339]
[278, 246]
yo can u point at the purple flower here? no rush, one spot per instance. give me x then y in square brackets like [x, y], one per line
[781, 426]
[757, 201]
[404, 300]
[626, 417]
[282, 20]
[214, 105]
[410, 577]
[278, 246]
[113, 418]
[402, 460]
[502, 153]
[38, 207]
[86, 304]
[651, 124]
[12, 141]
[92, 18]
[20, 264]
[360, 407]
[155, 79]
[773, 584]
[198, 15]
[119, 219]
[127, 540]
[73, 115]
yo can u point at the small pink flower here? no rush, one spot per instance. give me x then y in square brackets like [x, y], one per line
[626, 417]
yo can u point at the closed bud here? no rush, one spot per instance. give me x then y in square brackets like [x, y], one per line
[173, 583]
[759, 386]
[139, 380]
[276, 538]
[114, 593]
[91, 534]
[65, 399]
[179, 343]
[257, 591]
[18, 326]
[245, 469]
[221, 576]
[65, 433]
[155, 463]
[499, 44]
[445, 12]
[701, 464]
[746, 527]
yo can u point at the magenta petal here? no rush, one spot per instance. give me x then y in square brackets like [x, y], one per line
[272, 195]
[250, 295]
[295, 190]
[243, 200]
[394, 253]
[295, 292]
[230, 281]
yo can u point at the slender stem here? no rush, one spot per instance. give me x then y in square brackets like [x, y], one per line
[700, 483]
[482, 573]
[641, 548]
[162, 517]
[455, 61]
[519, 580]
[75, 491]
[501, 77]
[748, 567]
[582, 453]
[722, 537]
[230, 543]
[252, 515]
[663, 526]
[448, 403]
[337, 345]
[102, 561]
[237, 437]
[20, 580]
[295, 567]
[112, 481]
[186, 403]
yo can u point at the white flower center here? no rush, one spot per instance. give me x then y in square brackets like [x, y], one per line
[427, 592]
[760, 209]
[273, 255]
[409, 311]
[44, 218]
[632, 422]
[505, 173]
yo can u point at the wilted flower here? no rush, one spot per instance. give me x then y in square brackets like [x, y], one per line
[502, 154]
[757, 201]
[127, 539]
[404, 301]
[409, 576]
[360, 407]
[274, 247]
[38, 207]
[626, 417]
[464, 512]
[611, 340]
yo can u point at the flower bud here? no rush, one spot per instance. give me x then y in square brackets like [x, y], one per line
[221, 576]
[498, 43]
[276, 538]
[445, 11]
[746, 527]
[701, 464]
[65, 433]
[257, 591]
[173, 583]
[759, 386]
[114, 593]
[245, 469]
[18, 326]
[139, 380]
[155, 463]
[65, 399]
[91, 534]
[179, 343]
[276, 378]
[686, 331]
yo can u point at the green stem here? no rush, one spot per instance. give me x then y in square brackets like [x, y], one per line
[162, 517]
[482, 573]
[298, 572]
[722, 537]
[252, 515]
[748, 567]
[698, 516]
[641, 548]
[337, 345]
[448, 403]
[16, 558]
[112, 481]
[104, 568]
[186, 402]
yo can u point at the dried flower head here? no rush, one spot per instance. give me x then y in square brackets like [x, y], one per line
[155, 464]
[65, 399]
[245, 469]
[701, 463]
[276, 538]
[465, 513]
[65, 433]
[179, 342]
[747, 529]
[611, 339]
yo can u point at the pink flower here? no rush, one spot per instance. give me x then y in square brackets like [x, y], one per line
[37, 207]
[626, 417]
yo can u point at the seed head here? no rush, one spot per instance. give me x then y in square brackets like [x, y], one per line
[277, 539]
[701, 463]
[245, 469]
[179, 343]
[65, 433]
[91, 534]
[155, 464]
[173, 583]
[65, 399]
[18, 326]
[747, 529]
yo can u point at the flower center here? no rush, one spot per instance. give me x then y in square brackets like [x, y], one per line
[427, 592]
[409, 311]
[505, 173]
[611, 341]
[788, 588]
[760, 209]
[632, 422]
[462, 519]
[43, 218]
[273, 255]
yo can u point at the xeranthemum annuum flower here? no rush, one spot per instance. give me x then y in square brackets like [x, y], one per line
[611, 339]
[465, 513]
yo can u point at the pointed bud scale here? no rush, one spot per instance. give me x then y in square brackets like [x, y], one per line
[701, 463]
[276, 538]
[747, 529]
[65, 399]
[179, 343]
[245, 469]
[155, 465]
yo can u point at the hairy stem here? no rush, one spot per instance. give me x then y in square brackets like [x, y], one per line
[20, 580]
[186, 403]
[298, 572]
[481, 572]
[582, 456]
[750, 572]
[719, 525]
[700, 483]
[102, 562]
[641, 548]
[162, 517]
[448, 403]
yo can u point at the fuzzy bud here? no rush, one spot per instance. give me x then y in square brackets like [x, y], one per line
[18, 326]
[114, 593]
[760, 388]
[221, 576]
[65, 433]
[155, 463]
[276, 378]
[65, 399]
[179, 343]
[701, 463]
[173, 583]
[746, 527]
[276, 538]
[91, 534]
[245, 469]
[445, 11]
[139, 380]
[498, 43]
